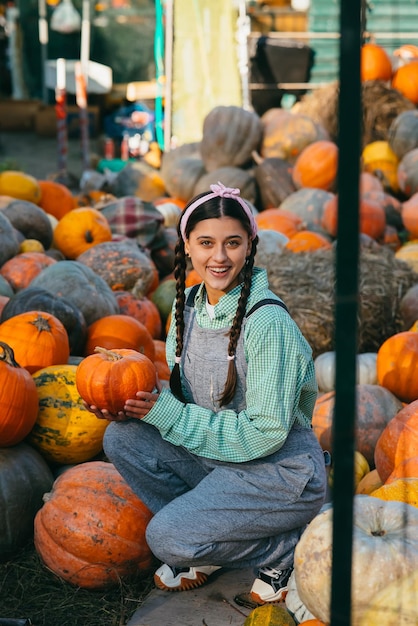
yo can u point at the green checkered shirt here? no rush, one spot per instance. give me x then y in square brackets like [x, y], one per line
[281, 384]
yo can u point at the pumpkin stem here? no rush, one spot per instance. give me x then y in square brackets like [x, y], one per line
[256, 157]
[378, 533]
[8, 355]
[42, 323]
[89, 236]
[112, 356]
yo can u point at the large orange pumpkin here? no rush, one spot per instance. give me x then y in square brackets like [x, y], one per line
[38, 339]
[375, 63]
[119, 331]
[398, 441]
[107, 378]
[18, 399]
[91, 530]
[396, 365]
[316, 166]
[81, 229]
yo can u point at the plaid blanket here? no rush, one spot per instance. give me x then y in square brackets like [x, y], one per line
[131, 217]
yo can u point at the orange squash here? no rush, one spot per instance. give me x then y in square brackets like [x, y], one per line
[280, 220]
[408, 468]
[396, 365]
[38, 339]
[107, 378]
[375, 63]
[398, 441]
[306, 241]
[18, 399]
[316, 166]
[56, 198]
[119, 331]
[79, 230]
[405, 80]
[372, 218]
[91, 530]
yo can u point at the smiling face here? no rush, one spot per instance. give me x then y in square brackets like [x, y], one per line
[218, 248]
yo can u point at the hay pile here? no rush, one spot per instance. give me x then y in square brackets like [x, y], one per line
[306, 283]
[381, 105]
[28, 590]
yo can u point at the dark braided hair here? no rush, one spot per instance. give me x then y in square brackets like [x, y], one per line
[213, 208]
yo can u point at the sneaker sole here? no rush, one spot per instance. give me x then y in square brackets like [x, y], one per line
[278, 597]
[185, 583]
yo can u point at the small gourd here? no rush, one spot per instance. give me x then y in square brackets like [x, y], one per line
[269, 615]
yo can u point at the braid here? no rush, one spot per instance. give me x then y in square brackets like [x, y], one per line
[180, 276]
[234, 333]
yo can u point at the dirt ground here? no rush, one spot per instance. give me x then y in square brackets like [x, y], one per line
[38, 156]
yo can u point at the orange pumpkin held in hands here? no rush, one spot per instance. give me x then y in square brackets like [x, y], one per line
[107, 378]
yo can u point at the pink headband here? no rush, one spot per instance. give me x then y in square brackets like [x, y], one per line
[219, 191]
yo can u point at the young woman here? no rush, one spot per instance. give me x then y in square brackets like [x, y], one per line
[225, 458]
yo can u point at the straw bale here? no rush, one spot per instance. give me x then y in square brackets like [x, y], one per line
[306, 282]
[381, 105]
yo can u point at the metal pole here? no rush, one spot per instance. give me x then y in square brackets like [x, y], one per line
[43, 40]
[346, 309]
[168, 62]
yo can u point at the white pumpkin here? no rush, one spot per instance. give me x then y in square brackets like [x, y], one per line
[325, 370]
[385, 549]
[395, 605]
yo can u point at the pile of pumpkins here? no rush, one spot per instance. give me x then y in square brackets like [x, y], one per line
[74, 276]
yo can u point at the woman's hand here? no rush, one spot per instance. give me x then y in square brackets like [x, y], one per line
[135, 408]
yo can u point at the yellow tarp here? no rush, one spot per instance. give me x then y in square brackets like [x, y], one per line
[205, 64]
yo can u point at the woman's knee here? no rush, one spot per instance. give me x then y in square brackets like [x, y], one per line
[113, 441]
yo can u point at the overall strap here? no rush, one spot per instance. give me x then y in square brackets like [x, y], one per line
[257, 305]
[191, 295]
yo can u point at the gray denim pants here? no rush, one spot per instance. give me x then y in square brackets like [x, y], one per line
[209, 512]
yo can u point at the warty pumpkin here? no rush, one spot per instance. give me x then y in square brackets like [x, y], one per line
[107, 378]
[65, 432]
[79, 230]
[91, 529]
[38, 339]
[18, 399]
[20, 270]
[142, 309]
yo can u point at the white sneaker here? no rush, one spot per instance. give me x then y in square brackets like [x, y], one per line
[270, 585]
[182, 578]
